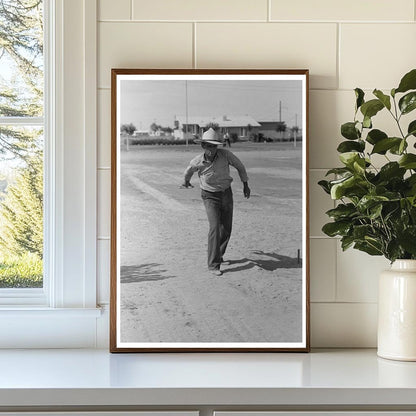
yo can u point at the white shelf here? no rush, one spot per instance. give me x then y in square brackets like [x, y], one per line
[334, 378]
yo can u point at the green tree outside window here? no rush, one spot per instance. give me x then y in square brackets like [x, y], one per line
[21, 144]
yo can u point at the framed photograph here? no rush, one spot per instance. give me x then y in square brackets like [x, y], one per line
[209, 210]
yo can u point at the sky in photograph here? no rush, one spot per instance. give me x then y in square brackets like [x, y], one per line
[145, 102]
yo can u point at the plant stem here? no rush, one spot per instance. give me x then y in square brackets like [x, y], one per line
[387, 231]
[397, 118]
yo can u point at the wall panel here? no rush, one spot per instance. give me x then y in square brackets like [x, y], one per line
[345, 44]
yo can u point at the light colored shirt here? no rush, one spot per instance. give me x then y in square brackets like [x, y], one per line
[215, 176]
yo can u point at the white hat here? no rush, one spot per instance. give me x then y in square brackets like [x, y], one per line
[209, 136]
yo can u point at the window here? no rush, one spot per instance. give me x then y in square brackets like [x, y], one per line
[22, 131]
[63, 313]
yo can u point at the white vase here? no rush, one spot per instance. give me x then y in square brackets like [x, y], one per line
[397, 312]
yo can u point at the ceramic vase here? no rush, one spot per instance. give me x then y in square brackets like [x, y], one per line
[397, 312]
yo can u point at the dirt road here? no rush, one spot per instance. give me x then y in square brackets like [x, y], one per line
[167, 294]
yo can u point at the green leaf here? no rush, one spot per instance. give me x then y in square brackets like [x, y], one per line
[350, 146]
[375, 135]
[411, 180]
[380, 189]
[402, 147]
[407, 239]
[393, 196]
[359, 165]
[411, 130]
[325, 186]
[383, 145]
[359, 94]
[342, 211]
[374, 242]
[393, 250]
[367, 122]
[412, 202]
[369, 201]
[391, 212]
[368, 248]
[349, 131]
[354, 161]
[408, 161]
[355, 199]
[398, 149]
[413, 211]
[375, 211]
[353, 188]
[346, 242]
[360, 231]
[411, 185]
[385, 99]
[408, 82]
[391, 170]
[333, 229]
[408, 102]
[348, 158]
[404, 204]
[371, 108]
[338, 189]
[342, 179]
[338, 171]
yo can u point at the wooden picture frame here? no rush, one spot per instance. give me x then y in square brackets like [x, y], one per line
[164, 295]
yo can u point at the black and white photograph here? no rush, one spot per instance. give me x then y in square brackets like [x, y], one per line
[209, 243]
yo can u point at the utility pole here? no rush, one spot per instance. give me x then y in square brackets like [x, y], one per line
[186, 112]
[295, 131]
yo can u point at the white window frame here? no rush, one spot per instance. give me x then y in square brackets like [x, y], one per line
[32, 296]
[64, 312]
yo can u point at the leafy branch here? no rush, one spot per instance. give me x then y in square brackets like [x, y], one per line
[376, 210]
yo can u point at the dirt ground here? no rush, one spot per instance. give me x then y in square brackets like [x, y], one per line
[167, 294]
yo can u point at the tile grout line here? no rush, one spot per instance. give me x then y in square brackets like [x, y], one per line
[336, 270]
[344, 303]
[338, 64]
[319, 169]
[177, 21]
[194, 63]
[337, 248]
[306, 22]
[269, 11]
[131, 9]
[310, 89]
[323, 237]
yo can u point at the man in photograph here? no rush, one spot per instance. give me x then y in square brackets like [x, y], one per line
[213, 167]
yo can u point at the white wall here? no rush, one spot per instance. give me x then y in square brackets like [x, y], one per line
[345, 44]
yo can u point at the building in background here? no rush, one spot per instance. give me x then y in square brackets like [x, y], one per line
[239, 127]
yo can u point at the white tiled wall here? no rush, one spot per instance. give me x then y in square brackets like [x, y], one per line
[345, 44]
[341, 11]
[270, 45]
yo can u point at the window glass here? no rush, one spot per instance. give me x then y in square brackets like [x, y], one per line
[21, 143]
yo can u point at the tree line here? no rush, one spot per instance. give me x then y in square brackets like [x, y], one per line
[21, 95]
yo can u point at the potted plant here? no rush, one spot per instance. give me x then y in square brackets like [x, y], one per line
[376, 206]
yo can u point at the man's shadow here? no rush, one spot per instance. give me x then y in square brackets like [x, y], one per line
[273, 261]
[149, 272]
